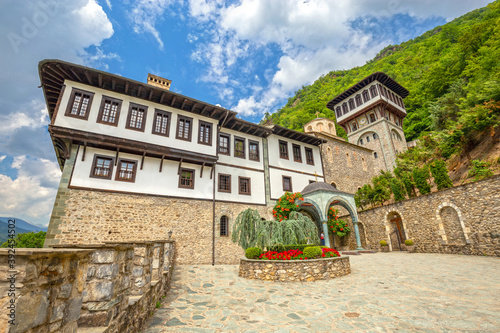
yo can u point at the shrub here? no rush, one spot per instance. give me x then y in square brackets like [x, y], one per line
[253, 252]
[335, 225]
[440, 174]
[421, 177]
[409, 242]
[281, 248]
[383, 243]
[480, 170]
[398, 188]
[312, 252]
[286, 205]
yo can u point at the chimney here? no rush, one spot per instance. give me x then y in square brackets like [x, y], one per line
[158, 81]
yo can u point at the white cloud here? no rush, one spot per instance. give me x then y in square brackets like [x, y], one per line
[31, 194]
[2, 158]
[312, 38]
[203, 10]
[144, 15]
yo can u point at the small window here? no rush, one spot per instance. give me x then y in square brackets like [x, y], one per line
[244, 185]
[354, 127]
[253, 150]
[333, 184]
[297, 156]
[224, 144]
[372, 117]
[186, 178]
[351, 104]
[373, 91]
[79, 105]
[361, 141]
[367, 139]
[344, 108]
[224, 226]
[184, 126]
[224, 183]
[358, 100]
[287, 184]
[338, 112]
[205, 133]
[239, 147]
[161, 123]
[109, 111]
[283, 149]
[375, 137]
[375, 154]
[102, 167]
[309, 156]
[126, 170]
[136, 117]
[366, 96]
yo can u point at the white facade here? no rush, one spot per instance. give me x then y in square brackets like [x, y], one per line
[120, 131]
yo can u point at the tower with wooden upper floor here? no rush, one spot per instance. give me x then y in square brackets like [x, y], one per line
[372, 113]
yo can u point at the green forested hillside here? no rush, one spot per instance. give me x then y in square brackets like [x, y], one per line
[448, 71]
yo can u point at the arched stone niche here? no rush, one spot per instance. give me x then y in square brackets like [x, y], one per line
[451, 225]
[321, 125]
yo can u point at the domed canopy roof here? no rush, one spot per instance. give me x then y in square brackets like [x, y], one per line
[318, 186]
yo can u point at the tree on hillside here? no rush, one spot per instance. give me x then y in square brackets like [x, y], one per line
[28, 240]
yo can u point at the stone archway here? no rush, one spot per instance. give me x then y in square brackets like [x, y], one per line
[395, 225]
[451, 224]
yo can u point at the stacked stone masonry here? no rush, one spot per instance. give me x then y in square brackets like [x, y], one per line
[102, 288]
[295, 270]
[459, 220]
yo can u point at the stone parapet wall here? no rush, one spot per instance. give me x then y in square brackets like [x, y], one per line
[460, 220]
[295, 270]
[102, 288]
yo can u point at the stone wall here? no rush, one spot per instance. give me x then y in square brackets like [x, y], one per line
[295, 270]
[98, 217]
[346, 165]
[101, 288]
[460, 220]
[48, 289]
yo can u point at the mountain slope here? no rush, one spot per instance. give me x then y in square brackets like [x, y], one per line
[22, 224]
[465, 50]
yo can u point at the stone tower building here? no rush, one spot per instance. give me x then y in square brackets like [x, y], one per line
[372, 113]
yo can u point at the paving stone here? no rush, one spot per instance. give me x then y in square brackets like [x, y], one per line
[390, 291]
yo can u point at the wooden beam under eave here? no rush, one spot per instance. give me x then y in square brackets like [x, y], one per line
[150, 94]
[56, 72]
[63, 71]
[161, 162]
[139, 91]
[84, 150]
[76, 75]
[183, 103]
[53, 78]
[162, 97]
[89, 78]
[180, 165]
[204, 109]
[213, 112]
[127, 85]
[116, 158]
[99, 77]
[192, 108]
[113, 83]
[173, 101]
[201, 172]
[142, 161]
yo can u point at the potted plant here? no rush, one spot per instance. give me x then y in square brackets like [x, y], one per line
[384, 247]
[410, 246]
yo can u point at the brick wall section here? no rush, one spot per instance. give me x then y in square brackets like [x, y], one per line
[460, 220]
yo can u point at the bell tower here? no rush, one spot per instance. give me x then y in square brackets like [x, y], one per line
[372, 113]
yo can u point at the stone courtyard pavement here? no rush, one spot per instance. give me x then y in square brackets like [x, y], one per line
[386, 292]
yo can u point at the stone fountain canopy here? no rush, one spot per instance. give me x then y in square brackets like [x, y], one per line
[319, 196]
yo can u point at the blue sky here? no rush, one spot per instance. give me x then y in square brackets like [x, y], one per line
[248, 56]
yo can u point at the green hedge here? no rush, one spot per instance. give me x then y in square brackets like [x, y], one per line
[281, 248]
[312, 252]
[253, 252]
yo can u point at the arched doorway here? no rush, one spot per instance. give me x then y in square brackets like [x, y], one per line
[397, 232]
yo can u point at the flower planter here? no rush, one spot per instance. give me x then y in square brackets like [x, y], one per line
[295, 270]
[410, 248]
